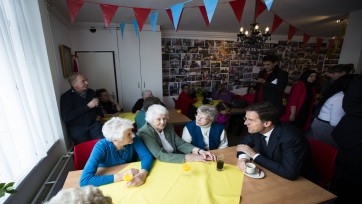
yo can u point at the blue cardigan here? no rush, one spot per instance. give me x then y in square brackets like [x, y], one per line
[197, 138]
[105, 154]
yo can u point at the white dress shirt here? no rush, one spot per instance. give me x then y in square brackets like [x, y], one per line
[166, 145]
[332, 110]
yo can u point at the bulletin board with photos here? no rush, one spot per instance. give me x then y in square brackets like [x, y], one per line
[205, 63]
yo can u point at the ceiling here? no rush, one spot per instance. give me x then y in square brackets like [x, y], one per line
[314, 17]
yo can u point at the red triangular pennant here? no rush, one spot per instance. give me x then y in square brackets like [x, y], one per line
[169, 13]
[108, 12]
[291, 32]
[318, 45]
[141, 16]
[238, 8]
[276, 23]
[204, 14]
[259, 8]
[306, 38]
[330, 44]
[73, 8]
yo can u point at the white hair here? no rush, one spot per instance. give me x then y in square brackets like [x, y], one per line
[146, 93]
[155, 110]
[208, 111]
[82, 195]
[114, 128]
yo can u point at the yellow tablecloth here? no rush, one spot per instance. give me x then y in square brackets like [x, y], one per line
[127, 115]
[167, 183]
[198, 103]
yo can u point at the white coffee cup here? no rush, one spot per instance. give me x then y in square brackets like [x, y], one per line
[250, 168]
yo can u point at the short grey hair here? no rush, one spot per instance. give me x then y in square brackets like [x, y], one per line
[208, 111]
[114, 128]
[73, 76]
[155, 110]
[146, 92]
[86, 194]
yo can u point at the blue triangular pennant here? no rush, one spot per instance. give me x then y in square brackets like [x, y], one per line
[268, 4]
[210, 6]
[153, 20]
[176, 12]
[135, 25]
[121, 26]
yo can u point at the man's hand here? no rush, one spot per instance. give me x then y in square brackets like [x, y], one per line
[241, 164]
[247, 150]
[93, 103]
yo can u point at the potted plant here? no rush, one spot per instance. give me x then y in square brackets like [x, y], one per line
[6, 188]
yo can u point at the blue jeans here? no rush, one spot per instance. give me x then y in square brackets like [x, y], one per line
[84, 134]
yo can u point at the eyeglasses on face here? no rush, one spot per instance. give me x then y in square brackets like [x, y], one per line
[250, 120]
[201, 118]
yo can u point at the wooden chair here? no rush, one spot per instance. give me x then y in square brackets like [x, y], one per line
[324, 156]
[82, 152]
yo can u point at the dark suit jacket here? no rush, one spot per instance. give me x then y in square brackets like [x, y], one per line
[285, 152]
[273, 93]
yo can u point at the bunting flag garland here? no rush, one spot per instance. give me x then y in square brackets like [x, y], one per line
[153, 19]
[318, 44]
[141, 16]
[238, 8]
[259, 8]
[268, 3]
[276, 23]
[306, 38]
[176, 14]
[204, 15]
[291, 32]
[73, 8]
[135, 25]
[121, 26]
[108, 12]
[210, 6]
[169, 13]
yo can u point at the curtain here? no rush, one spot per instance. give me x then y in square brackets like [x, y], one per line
[29, 117]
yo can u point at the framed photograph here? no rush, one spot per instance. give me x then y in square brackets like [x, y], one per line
[66, 58]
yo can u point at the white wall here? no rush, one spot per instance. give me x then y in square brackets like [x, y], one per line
[352, 44]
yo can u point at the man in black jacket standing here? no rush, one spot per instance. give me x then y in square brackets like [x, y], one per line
[271, 83]
[80, 109]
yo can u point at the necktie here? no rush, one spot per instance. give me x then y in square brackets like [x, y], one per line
[263, 141]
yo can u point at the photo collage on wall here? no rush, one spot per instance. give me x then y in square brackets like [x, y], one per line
[205, 63]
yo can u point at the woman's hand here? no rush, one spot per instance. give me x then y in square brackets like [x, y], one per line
[119, 177]
[208, 156]
[138, 179]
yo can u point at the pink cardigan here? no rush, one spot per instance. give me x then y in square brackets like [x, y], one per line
[296, 98]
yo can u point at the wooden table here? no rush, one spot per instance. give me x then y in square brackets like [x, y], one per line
[270, 189]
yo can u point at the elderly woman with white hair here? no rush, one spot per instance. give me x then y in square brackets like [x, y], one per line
[203, 132]
[86, 194]
[162, 141]
[118, 147]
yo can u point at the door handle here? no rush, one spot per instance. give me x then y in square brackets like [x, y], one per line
[138, 84]
[144, 84]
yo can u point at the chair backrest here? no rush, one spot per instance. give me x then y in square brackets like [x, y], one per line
[176, 104]
[82, 152]
[324, 156]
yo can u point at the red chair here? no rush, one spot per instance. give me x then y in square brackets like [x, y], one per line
[324, 157]
[82, 152]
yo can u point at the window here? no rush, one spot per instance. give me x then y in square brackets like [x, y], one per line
[29, 118]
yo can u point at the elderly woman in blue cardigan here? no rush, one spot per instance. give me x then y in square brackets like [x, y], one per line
[203, 132]
[118, 147]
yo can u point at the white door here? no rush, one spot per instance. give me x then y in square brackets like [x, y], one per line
[99, 69]
[129, 57]
[151, 62]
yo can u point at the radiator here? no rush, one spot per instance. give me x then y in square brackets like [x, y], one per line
[55, 180]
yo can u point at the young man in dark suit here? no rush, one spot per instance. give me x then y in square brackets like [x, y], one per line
[271, 83]
[279, 147]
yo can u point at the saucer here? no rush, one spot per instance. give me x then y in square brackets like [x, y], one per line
[256, 175]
